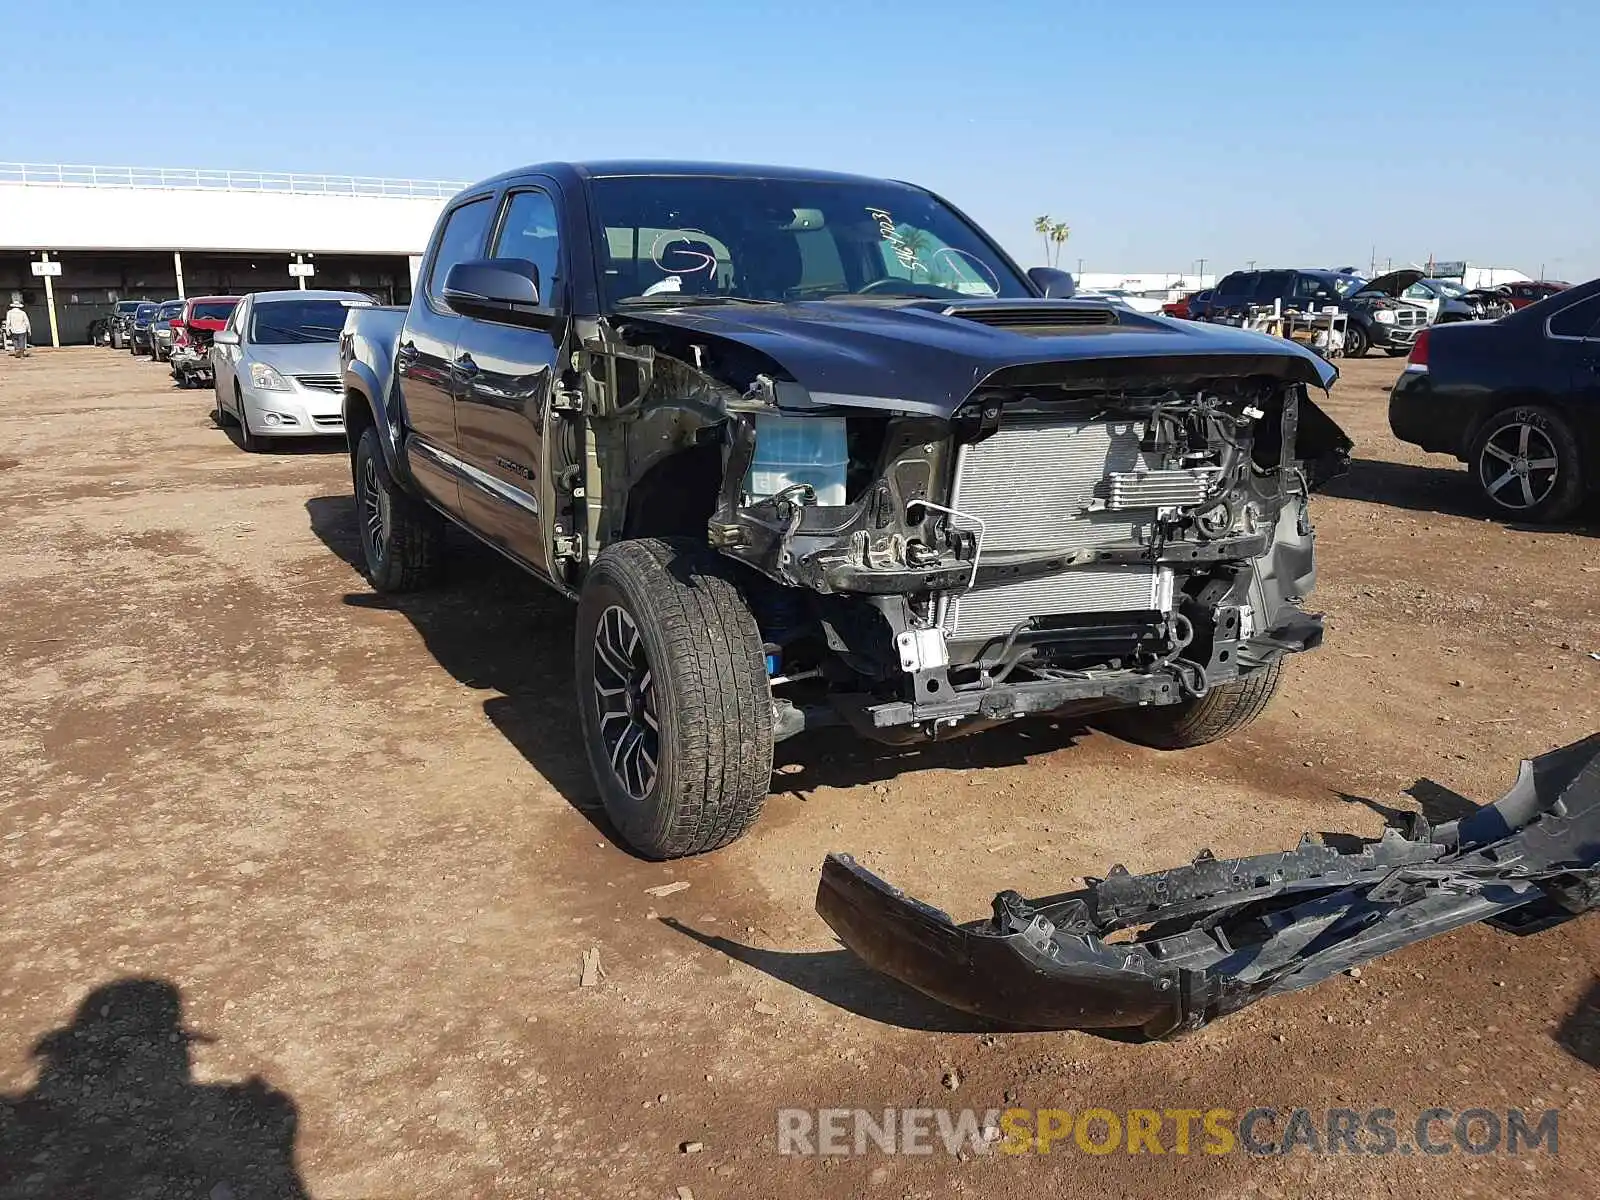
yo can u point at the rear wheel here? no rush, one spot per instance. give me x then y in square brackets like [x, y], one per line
[401, 538]
[1527, 462]
[1222, 711]
[672, 690]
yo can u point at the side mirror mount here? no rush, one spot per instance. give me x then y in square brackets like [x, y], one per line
[498, 289]
[225, 337]
[1053, 284]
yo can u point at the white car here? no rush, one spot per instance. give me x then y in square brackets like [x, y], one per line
[276, 365]
[1134, 300]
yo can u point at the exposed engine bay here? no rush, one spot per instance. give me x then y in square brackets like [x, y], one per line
[1055, 543]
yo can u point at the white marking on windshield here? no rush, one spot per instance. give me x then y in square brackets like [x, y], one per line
[902, 248]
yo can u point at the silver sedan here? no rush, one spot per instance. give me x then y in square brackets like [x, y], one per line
[276, 365]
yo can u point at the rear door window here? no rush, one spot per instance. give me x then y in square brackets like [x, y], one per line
[1240, 283]
[1577, 320]
[1272, 285]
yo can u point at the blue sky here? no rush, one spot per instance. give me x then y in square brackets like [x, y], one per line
[1295, 134]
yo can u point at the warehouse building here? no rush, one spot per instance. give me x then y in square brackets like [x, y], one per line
[78, 239]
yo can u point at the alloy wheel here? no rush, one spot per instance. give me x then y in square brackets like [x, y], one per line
[625, 699]
[1518, 465]
[372, 524]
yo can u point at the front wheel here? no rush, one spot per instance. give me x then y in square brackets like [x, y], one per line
[249, 442]
[1356, 342]
[401, 537]
[673, 695]
[1224, 710]
[1527, 462]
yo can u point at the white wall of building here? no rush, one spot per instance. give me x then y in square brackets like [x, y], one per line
[1147, 281]
[54, 217]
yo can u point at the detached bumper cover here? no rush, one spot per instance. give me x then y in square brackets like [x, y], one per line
[1210, 938]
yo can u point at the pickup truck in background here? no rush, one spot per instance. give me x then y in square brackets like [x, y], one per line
[1374, 320]
[810, 449]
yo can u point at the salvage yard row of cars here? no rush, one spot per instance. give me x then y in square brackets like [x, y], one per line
[808, 449]
[270, 358]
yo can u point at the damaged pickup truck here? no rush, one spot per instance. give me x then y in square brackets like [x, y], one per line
[811, 449]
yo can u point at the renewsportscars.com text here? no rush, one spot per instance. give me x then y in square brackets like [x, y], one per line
[1212, 1131]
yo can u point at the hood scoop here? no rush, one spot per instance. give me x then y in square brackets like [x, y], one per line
[1035, 320]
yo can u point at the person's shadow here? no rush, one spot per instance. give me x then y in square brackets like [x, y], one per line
[116, 1112]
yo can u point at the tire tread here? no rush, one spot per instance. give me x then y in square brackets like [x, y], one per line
[714, 677]
[1224, 710]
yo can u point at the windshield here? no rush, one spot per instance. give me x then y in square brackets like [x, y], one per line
[1350, 285]
[719, 240]
[1450, 291]
[213, 312]
[144, 312]
[167, 311]
[127, 306]
[293, 322]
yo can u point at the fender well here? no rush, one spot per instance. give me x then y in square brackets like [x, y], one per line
[363, 407]
[676, 496]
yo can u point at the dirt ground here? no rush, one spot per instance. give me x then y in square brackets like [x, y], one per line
[350, 844]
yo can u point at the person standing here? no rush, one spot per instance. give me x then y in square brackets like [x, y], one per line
[18, 328]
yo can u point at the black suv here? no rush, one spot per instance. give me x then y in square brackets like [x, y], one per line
[1374, 320]
[120, 322]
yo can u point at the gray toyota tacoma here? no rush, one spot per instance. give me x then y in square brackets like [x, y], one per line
[810, 449]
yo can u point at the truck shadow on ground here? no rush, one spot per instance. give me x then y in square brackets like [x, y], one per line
[1448, 491]
[839, 758]
[116, 1111]
[1579, 1034]
[494, 628]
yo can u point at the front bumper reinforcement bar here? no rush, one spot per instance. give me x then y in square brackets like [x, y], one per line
[1204, 940]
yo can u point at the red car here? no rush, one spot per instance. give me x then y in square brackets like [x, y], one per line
[1180, 307]
[192, 331]
[1531, 292]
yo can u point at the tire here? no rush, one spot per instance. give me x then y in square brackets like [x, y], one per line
[1356, 341]
[1223, 711]
[1548, 485]
[668, 613]
[116, 339]
[219, 415]
[249, 442]
[402, 539]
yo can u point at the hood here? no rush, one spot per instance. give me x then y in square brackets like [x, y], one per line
[926, 357]
[1394, 282]
[316, 358]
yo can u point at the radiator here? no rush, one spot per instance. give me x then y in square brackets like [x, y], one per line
[1030, 485]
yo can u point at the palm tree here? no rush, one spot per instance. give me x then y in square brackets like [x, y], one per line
[1041, 226]
[1058, 235]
